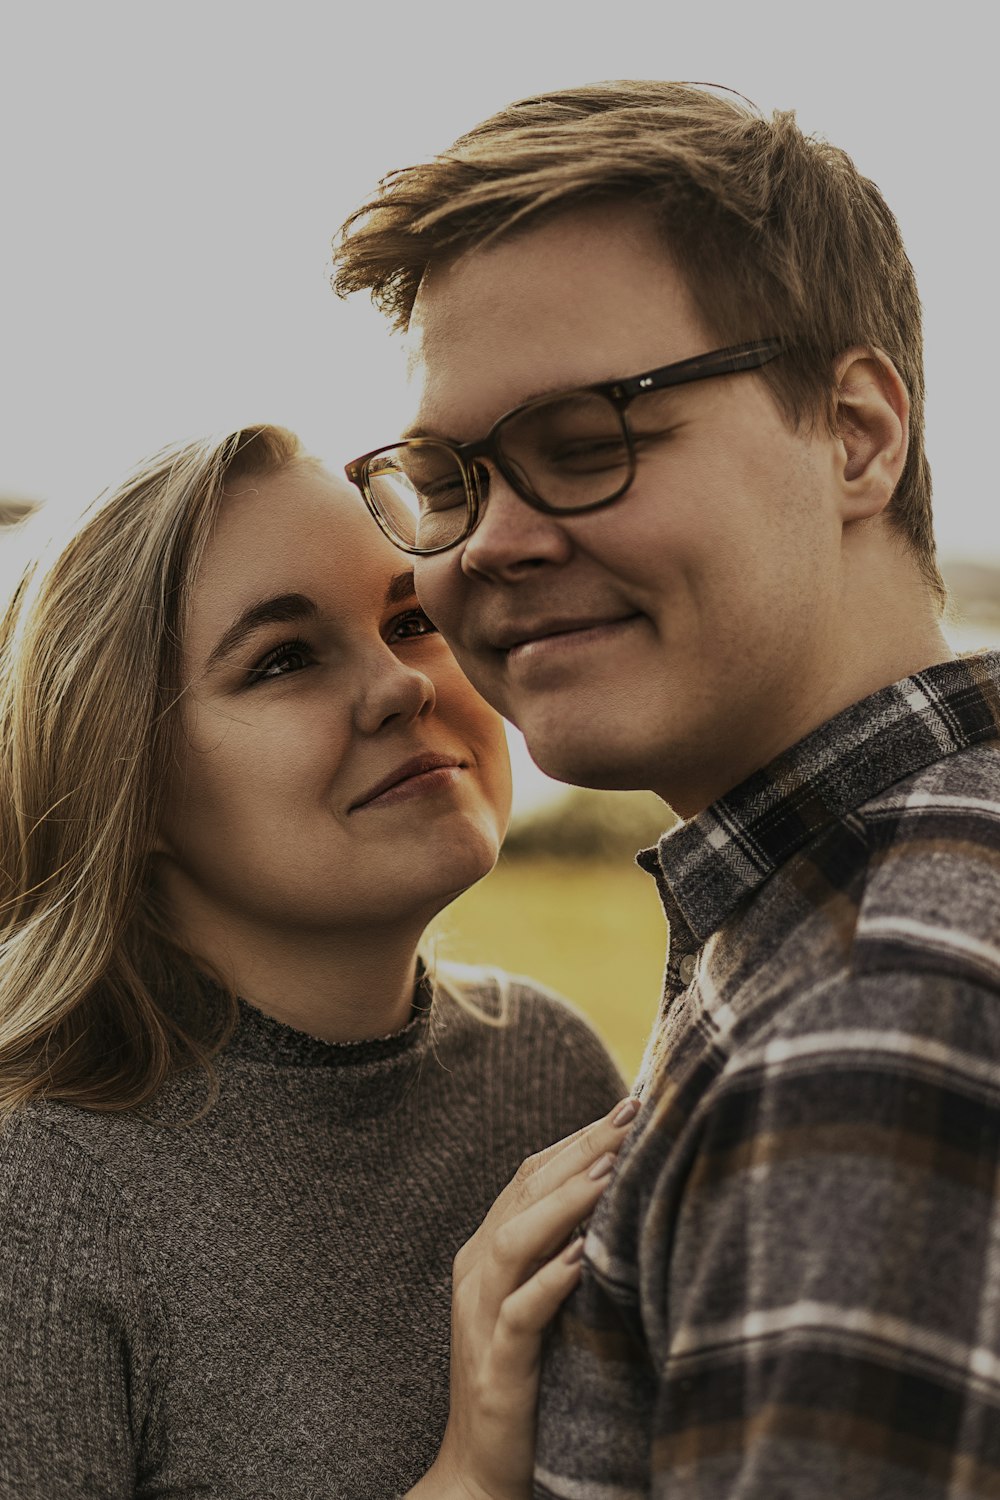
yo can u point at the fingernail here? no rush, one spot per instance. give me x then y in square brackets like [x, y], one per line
[573, 1251]
[627, 1113]
[602, 1166]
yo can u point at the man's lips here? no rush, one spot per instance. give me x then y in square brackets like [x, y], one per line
[417, 765]
[523, 640]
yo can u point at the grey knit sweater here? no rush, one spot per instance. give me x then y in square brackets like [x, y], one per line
[257, 1303]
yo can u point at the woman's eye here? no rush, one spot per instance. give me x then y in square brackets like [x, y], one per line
[411, 626]
[292, 656]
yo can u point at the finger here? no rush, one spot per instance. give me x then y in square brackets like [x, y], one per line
[549, 1169]
[610, 1127]
[584, 1147]
[527, 1312]
[517, 1247]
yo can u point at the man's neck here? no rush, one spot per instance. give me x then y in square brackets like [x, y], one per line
[878, 636]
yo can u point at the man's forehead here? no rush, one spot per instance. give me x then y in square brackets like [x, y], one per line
[446, 403]
[458, 389]
[586, 296]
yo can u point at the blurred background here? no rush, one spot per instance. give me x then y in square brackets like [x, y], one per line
[170, 178]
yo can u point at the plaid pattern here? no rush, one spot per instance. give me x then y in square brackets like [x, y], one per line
[792, 1288]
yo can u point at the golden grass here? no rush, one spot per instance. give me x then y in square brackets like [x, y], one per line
[593, 931]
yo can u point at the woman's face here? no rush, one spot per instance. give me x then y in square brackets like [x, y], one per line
[313, 679]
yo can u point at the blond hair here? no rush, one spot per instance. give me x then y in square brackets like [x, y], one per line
[13, 511]
[776, 234]
[97, 1005]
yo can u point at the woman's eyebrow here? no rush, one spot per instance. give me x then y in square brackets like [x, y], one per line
[283, 609]
[400, 588]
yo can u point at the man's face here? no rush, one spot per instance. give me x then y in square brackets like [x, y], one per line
[678, 638]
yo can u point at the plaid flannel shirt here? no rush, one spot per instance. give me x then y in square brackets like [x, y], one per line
[792, 1286]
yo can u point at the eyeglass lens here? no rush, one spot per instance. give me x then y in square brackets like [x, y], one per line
[569, 452]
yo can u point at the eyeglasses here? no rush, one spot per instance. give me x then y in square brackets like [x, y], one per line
[563, 454]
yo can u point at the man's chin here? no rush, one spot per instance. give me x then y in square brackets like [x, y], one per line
[586, 764]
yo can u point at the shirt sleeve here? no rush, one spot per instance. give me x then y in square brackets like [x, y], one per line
[80, 1325]
[825, 1321]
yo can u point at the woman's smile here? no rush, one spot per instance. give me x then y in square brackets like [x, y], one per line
[421, 774]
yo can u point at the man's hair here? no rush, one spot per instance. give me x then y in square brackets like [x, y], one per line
[776, 234]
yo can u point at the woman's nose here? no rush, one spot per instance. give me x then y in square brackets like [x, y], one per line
[392, 691]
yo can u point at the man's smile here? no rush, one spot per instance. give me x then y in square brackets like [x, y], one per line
[554, 642]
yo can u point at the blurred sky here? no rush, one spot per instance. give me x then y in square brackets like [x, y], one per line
[171, 176]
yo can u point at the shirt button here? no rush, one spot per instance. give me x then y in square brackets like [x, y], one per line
[688, 967]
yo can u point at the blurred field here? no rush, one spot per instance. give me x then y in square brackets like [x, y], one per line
[594, 931]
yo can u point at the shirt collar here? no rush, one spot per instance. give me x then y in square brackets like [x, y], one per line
[706, 866]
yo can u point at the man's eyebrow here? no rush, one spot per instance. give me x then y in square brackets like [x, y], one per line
[400, 588]
[560, 389]
[283, 609]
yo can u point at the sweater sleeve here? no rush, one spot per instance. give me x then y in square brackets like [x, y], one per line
[80, 1324]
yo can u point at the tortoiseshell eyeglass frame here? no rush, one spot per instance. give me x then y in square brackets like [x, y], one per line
[620, 393]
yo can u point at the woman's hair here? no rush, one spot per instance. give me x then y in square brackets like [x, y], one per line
[14, 511]
[97, 1005]
[776, 233]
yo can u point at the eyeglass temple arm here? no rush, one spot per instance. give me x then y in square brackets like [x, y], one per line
[728, 361]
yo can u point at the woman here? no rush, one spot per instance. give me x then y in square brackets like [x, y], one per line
[236, 760]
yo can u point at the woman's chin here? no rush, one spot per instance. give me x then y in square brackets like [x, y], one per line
[445, 868]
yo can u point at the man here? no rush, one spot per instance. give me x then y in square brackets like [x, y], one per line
[668, 501]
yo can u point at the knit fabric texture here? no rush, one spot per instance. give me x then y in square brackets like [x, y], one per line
[791, 1289]
[257, 1303]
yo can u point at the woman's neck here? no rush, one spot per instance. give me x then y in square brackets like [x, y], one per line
[340, 987]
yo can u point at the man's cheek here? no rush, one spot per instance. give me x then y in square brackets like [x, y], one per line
[431, 596]
[482, 668]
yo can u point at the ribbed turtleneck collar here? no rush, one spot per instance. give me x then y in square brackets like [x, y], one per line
[261, 1038]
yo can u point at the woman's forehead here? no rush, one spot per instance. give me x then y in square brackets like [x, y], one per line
[298, 531]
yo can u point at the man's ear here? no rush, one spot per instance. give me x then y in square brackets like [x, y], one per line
[872, 415]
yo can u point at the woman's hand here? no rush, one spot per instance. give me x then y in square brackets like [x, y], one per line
[509, 1280]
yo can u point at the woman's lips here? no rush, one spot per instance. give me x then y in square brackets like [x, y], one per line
[420, 785]
[427, 772]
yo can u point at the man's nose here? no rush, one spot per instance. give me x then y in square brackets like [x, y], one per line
[511, 537]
